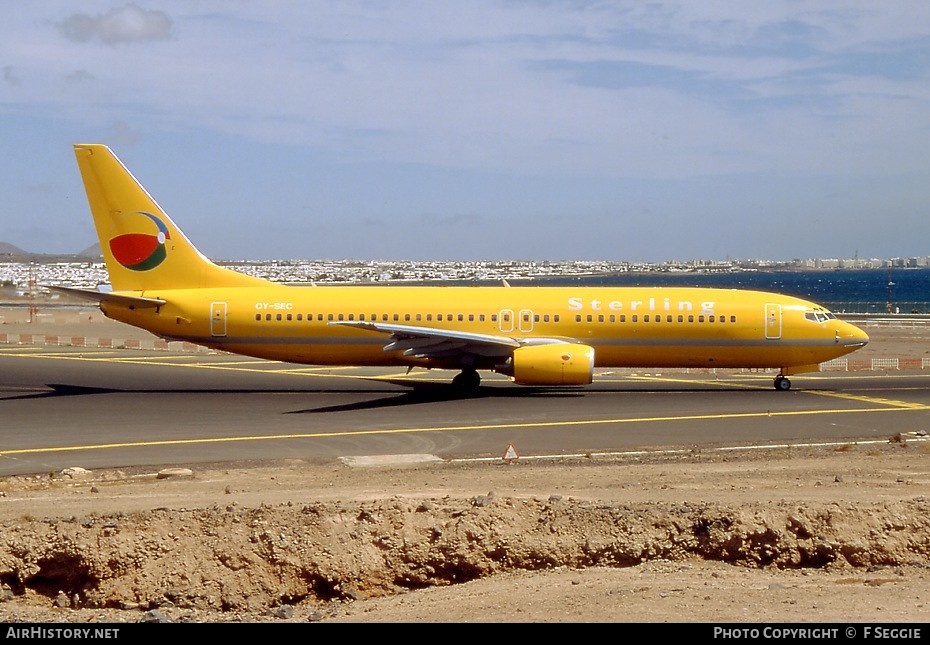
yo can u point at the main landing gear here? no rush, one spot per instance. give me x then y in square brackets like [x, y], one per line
[467, 381]
[782, 383]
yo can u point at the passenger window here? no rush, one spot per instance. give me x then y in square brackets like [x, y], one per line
[258, 316]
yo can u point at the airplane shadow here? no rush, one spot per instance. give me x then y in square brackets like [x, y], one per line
[62, 389]
[57, 390]
[428, 392]
[417, 393]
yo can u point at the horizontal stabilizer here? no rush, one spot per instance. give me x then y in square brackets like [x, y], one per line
[122, 299]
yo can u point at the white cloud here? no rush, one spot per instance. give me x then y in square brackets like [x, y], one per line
[125, 24]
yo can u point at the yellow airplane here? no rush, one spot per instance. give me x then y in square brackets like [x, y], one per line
[536, 335]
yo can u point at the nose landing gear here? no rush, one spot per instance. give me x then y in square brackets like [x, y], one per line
[782, 383]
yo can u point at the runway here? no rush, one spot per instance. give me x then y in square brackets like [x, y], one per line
[66, 406]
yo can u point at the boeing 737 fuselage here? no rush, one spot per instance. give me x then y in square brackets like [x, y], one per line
[536, 335]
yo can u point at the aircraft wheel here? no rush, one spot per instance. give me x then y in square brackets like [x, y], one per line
[783, 384]
[467, 381]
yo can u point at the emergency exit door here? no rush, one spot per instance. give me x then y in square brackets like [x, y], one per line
[772, 321]
[218, 319]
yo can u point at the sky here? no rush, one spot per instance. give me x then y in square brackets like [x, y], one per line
[486, 130]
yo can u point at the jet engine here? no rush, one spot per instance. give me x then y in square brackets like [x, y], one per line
[553, 364]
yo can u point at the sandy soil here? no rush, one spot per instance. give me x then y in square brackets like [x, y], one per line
[837, 534]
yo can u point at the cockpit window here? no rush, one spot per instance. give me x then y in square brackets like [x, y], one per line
[819, 316]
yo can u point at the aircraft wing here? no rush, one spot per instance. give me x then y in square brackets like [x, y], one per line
[430, 342]
[123, 299]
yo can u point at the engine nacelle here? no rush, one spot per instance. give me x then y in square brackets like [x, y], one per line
[555, 364]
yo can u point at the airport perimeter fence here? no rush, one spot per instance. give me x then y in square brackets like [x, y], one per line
[155, 344]
[909, 307]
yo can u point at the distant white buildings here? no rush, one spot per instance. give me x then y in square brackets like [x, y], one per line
[27, 278]
[863, 263]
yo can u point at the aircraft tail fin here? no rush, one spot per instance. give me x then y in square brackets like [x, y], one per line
[142, 247]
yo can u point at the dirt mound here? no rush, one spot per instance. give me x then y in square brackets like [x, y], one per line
[240, 559]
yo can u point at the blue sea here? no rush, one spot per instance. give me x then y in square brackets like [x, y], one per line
[841, 290]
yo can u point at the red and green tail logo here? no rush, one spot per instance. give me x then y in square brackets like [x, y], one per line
[145, 250]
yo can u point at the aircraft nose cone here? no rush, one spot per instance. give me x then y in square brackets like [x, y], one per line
[852, 336]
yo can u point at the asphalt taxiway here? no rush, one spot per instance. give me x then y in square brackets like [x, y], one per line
[63, 406]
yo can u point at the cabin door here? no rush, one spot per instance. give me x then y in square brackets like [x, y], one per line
[218, 319]
[505, 322]
[772, 321]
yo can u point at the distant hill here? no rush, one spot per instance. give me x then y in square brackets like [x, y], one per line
[12, 253]
[92, 251]
[9, 249]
